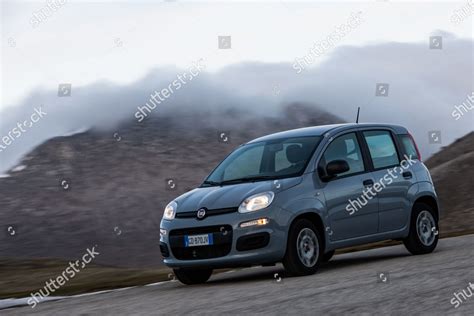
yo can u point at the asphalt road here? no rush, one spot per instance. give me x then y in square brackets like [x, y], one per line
[348, 284]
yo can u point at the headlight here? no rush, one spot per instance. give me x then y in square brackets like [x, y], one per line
[170, 211]
[256, 202]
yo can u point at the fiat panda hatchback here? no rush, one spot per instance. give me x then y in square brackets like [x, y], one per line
[297, 196]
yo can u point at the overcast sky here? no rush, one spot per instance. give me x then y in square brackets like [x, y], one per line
[115, 54]
[85, 42]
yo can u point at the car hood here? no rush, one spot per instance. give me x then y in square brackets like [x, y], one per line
[226, 196]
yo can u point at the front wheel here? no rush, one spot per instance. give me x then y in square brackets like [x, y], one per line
[304, 248]
[424, 234]
[192, 276]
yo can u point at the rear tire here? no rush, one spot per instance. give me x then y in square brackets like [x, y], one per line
[192, 276]
[304, 248]
[423, 236]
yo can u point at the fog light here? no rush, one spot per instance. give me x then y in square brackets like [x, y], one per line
[256, 222]
[163, 232]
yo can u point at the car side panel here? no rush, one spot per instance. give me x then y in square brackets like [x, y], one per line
[304, 198]
[426, 189]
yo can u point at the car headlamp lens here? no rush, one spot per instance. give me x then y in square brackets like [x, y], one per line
[256, 202]
[170, 211]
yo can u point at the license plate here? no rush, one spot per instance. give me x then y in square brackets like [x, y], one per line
[198, 240]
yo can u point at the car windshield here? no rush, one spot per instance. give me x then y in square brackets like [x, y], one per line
[266, 160]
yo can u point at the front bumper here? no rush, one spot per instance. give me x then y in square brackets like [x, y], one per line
[233, 246]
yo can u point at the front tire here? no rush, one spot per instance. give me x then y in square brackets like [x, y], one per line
[192, 276]
[304, 248]
[424, 235]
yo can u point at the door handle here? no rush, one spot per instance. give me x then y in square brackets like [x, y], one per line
[407, 175]
[368, 183]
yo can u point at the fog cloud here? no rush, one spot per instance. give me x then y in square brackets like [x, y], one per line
[424, 86]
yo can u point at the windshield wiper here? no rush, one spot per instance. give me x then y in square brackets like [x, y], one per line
[248, 179]
[211, 182]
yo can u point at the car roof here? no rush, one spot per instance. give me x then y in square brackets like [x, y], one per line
[323, 129]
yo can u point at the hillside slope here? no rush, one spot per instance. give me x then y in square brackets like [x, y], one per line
[452, 170]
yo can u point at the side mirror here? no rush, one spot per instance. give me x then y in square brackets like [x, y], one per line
[336, 167]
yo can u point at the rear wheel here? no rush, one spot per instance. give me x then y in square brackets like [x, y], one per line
[424, 235]
[192, 276]
[304, 248]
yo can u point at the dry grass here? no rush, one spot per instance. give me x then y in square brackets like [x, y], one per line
[18, 278]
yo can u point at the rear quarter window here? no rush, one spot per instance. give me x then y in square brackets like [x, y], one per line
[409, 146]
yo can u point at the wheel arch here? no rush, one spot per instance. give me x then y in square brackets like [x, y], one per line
[314, 218]
[428, 200]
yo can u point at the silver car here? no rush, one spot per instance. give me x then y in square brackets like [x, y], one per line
[297, 196]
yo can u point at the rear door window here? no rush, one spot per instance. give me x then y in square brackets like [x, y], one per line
[383, 151]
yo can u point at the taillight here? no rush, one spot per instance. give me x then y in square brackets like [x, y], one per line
[416, 146]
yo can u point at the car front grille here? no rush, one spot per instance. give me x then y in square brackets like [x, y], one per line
[222, 237]
[219, 211]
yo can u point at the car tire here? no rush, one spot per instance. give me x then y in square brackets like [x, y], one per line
[424, 234]
[327, 256]
[192, 276]
[304, 248]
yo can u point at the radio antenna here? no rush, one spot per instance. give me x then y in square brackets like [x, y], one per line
[358, 111]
